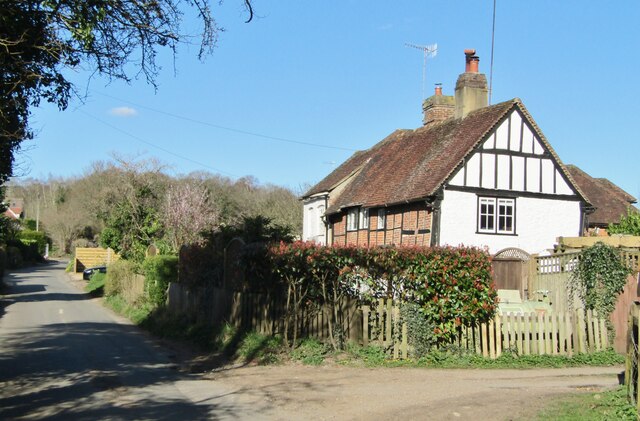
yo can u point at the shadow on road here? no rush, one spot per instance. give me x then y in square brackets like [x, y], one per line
[86, 370]
[92, 371]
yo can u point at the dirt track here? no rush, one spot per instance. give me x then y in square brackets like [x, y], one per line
[335, 392]
[346, 393]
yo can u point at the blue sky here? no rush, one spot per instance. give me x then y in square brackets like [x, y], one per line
[337, 74]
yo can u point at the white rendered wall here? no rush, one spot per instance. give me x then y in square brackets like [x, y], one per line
[538, 223]
[313, 228]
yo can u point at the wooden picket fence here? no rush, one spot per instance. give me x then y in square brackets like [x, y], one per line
[564, 333]
[378, 327]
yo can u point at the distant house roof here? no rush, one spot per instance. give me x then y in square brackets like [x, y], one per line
[609, 200]
[14, 208]
[411, 165]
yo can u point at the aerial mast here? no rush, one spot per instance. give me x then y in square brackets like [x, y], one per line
[427, 51]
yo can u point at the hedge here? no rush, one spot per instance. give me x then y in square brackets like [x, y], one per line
[452, 285]
[3, 261]
[159, 271]
[38, 238]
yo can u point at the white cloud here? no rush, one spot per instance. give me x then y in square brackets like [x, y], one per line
[123, 111]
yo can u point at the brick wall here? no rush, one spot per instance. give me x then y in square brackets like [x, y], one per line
[405, 225]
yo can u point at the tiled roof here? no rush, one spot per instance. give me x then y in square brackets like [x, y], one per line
[411, 165]
[610, 201]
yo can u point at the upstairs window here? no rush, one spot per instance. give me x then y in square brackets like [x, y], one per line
[496, 215]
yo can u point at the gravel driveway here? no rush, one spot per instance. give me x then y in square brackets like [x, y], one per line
[336, 392]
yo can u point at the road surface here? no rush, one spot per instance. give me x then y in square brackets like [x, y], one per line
[63, 356]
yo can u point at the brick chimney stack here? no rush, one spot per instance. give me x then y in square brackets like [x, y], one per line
[471, 87]
[437, 107]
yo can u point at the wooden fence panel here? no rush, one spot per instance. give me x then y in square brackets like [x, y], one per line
[86, 257]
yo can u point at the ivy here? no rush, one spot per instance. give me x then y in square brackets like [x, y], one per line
[599, 277]
[629, 224]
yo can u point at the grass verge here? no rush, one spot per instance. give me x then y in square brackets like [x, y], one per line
[95, 286]
[609, 405]
[372, 356]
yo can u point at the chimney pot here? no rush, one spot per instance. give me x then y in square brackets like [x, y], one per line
[438, 89]
[468, 53]
[473, 64]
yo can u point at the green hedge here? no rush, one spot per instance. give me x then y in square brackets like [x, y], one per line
[29, 237]
[452, 286]
[158, 272]
[3, 261]
[117, 273]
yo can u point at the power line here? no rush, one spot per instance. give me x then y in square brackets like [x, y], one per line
[231, 129]
[139, 139]
[493, 36]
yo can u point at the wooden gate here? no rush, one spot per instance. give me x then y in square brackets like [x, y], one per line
[511, 270]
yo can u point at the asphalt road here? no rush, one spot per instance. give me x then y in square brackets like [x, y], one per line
[63, 356]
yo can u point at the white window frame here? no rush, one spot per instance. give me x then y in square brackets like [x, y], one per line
[352, 219]
[363, 219]
[382, 218]
[494, 215]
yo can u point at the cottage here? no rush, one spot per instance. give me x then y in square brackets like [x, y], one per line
[15, 208]
[610, 202]
[474, 174]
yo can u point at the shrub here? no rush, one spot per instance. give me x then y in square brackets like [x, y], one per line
[452, 285]
[38, 238]
[159, 271]
[14, 257]
[71, 264]
[310, 352]
[96, 284]
[3, 261]
[419, 328]
[117, 274]
[262, 349]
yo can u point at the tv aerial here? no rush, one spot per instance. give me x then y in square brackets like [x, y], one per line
[427, 51]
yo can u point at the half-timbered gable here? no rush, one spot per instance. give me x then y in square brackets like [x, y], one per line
[518, 189]
[474, 174]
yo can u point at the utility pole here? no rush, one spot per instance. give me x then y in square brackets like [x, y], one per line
[38, 213]
[428, 51]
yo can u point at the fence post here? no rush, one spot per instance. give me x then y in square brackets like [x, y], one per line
[590, 333]
[389, 320]
[533, 275]
[636, 356]
[498, 336]
[630, 351]
[396, 320]
[365, 325]
[405, 341]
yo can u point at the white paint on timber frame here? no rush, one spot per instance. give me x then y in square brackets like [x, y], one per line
[518, 168]
[488, 173]
[313, 228]
[535, 174]
[538, 222]
[503, 172]
[473, 171]
[561, 186]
